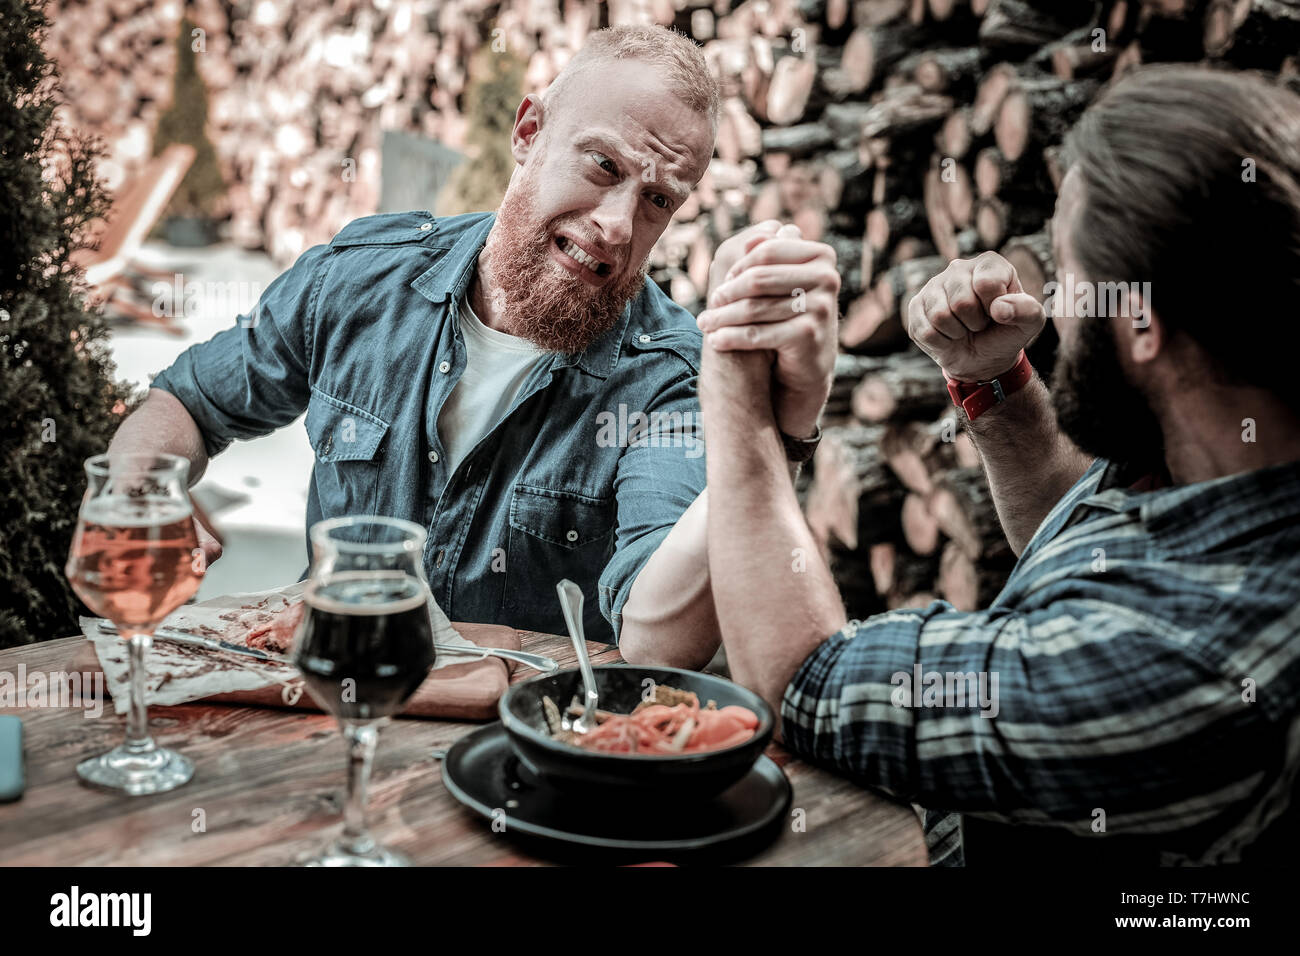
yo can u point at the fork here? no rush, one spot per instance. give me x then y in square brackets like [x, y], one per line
[571, 605]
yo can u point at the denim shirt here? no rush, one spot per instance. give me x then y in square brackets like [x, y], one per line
[597, 458]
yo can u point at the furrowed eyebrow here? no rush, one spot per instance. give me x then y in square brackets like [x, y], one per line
[604, 146]
[678, 192]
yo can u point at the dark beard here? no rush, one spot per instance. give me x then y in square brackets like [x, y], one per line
[549, 308]
[1097, 406]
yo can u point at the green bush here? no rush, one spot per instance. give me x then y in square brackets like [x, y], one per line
[491, 99]
[186, 121]
[61, 403]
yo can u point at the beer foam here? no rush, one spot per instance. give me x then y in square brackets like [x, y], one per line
[312, 596]
[123, 511]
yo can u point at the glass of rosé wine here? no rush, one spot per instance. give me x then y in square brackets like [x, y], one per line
[135, 559]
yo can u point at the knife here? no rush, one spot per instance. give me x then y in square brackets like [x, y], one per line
[537, 662]
[211, 643]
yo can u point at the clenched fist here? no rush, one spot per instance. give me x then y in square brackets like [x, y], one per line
[974, 318]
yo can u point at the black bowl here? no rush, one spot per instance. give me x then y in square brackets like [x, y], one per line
[685, 776]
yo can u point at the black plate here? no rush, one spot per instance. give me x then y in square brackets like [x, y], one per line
[483, 773]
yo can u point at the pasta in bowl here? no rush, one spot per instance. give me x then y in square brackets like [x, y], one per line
[660, 730]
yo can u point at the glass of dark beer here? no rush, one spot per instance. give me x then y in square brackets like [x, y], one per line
[135, 559]
[364, 645]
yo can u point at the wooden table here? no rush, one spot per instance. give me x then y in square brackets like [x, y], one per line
[268, 789]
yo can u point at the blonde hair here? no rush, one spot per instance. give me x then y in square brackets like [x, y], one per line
[680, 61]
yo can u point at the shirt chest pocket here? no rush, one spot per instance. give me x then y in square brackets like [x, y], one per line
[555, 535]
[349, 446]
[562, 518]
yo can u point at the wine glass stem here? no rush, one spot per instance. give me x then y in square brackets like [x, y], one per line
[137, 726]
[361, 739]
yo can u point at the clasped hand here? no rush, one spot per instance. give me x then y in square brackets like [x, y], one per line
[775, 293]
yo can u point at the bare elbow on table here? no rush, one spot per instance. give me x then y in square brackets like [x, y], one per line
[638, 646]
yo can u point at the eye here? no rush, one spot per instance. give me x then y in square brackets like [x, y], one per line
[605, 163]
[660, 200]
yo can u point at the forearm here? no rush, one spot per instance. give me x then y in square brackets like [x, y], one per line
[1029, 462]
[162, 425]
[669, 617]
[775, 598]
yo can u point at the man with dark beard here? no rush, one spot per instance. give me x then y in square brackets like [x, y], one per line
[1133, 693]
[512, 382]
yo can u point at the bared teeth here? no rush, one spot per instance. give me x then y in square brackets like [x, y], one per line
[574, 251]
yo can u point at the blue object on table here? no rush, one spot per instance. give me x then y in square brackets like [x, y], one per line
[11, 759]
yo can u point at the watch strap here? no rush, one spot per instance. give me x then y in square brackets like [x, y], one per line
[976, 398]
[800, 450]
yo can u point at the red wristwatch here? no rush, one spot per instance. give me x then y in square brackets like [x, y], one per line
[976, 398]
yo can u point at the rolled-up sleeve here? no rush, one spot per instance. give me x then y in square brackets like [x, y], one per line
[1037, 718]
[656, 482]
[248, 380]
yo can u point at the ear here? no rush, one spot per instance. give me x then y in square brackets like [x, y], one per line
[528, 126]
[1140, 331]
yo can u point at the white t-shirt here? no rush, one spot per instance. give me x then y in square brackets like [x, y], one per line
[496, 367]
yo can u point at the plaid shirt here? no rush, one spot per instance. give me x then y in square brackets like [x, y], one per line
[1146, 653]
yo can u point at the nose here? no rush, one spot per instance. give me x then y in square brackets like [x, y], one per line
[616, 213]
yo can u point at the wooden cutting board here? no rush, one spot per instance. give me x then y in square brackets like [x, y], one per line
[467, 691]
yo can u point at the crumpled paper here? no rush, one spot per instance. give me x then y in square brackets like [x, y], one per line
[179, 673]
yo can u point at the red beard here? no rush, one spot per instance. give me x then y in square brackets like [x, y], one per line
[543, 304]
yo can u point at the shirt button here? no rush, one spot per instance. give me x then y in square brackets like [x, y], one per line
[433, 457]
[643, 338]
[572, 535]
[441, 552]
[426, 227]
[444, 367]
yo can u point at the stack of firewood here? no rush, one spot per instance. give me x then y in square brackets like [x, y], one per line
[897, 497]
[902, 132]
[300, 91]
[895, 129]
[922, 132]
